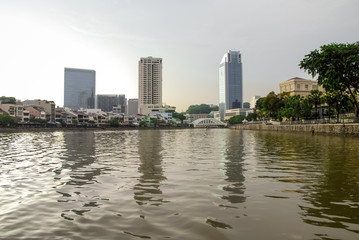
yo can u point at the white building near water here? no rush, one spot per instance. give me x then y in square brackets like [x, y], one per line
[253, 101]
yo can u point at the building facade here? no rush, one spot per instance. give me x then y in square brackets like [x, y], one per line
[230, 82]
[149, 84]
[80, 88]
[106, 102]
[253, 101]
[299, 86]
[48, 107]
[132, 106]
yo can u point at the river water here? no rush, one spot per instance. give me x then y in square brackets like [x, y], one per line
[178, 184]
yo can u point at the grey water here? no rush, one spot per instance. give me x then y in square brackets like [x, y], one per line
[178, 184]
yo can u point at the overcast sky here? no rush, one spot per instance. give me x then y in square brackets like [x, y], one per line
[39, 38]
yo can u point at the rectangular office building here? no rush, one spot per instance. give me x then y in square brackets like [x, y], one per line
[230, 83]
[80, 88]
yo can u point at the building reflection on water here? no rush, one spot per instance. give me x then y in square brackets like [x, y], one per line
[233, 167]
[76, 171]
[147, 190]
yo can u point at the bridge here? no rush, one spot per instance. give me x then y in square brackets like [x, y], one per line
[207, 123]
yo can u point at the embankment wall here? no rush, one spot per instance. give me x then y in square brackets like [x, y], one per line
[338, 129]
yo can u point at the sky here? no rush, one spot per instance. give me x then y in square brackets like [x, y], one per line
[39, 38]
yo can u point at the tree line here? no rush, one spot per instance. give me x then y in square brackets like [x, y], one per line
[295, 107]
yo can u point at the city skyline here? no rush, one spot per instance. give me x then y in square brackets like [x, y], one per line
[110, 37]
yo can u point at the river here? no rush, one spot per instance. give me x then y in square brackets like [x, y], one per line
[178, 184]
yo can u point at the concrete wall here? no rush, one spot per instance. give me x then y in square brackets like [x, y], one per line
[348, 129]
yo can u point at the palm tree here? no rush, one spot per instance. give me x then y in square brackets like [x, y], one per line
[315, 97]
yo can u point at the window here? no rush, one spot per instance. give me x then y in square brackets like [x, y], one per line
[298, 86]
[306, 87]
[315, 87]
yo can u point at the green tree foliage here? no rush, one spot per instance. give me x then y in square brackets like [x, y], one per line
[246, 105]
[10, 100]
[273, 104]
[201, 109]
[236, 119]
[155, 121]
[143, 122]
[306, 108]
[179, 116]
[6, 120]
[316, 98]
[337, 68]
[114, 121]
[292, 107]
[252, 116]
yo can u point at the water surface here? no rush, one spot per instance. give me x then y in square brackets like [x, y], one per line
[178, 184]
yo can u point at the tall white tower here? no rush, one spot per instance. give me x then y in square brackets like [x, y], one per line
[149, 84]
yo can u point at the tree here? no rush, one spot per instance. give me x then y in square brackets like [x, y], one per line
[155, 122]
[337, 68]
[306, 108]
[6, 120]
[292, 107]
[236, 119]
[246, 105]
[315, 97]
[201, 109]
[113, 121]
[179, 116]
[272, 104]
[143, 122]
[10, 100]
[252, 116]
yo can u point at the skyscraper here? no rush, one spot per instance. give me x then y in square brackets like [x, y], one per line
[79, 90]
[132, 106]
[230, 82]
[106, 102]
[149, 84]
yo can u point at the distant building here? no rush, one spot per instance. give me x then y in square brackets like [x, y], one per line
[132, 106]
[47, 106]
[230, 83]
[14, 109]
[149, 85]
[232, 112]
[254, 101]
[299, 86]
[106, 102]
[80, 88]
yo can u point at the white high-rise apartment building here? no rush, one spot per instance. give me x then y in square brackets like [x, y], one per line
[149, 85]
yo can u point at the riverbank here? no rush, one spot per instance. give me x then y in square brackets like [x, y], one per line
[80, 129]
[333, 129]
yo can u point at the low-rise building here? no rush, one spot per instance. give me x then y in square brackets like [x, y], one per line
[14, 109]
[233, 112]
[299, 86]
[47, 106]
